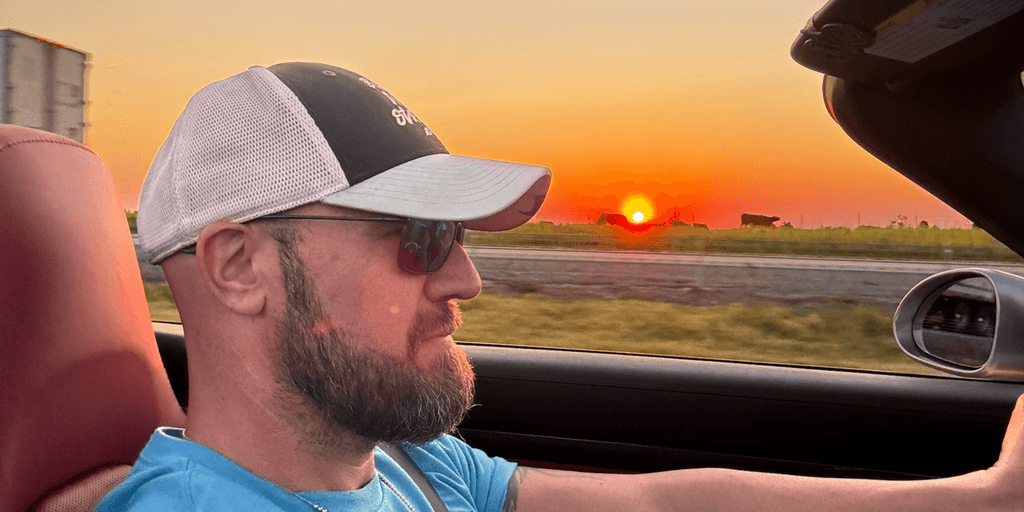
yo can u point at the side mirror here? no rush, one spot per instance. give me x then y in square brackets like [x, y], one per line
[967, 322]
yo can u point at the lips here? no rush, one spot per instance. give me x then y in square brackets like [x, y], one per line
[437, 327]
[439, 322]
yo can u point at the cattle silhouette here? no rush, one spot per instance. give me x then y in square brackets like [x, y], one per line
[749, 219]
[617, 219]
[613, 219]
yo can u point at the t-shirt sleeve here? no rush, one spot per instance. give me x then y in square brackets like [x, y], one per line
[465, 478]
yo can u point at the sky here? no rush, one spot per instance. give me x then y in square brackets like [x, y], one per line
[695, 106]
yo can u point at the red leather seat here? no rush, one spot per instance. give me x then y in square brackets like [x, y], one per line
[82, 386]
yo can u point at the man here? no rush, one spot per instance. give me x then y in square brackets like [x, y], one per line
[310, 226]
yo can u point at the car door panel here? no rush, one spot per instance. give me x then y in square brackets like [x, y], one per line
[643, 413]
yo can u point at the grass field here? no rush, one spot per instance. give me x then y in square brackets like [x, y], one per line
[920, 243]
[839, 335]
[161, 303]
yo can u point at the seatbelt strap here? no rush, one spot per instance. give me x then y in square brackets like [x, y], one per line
[399, 455]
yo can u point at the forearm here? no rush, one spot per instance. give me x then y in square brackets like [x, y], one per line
[736, 491]
[711, 490]
[999, 488]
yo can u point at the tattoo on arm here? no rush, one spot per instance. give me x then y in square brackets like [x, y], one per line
[512, 495]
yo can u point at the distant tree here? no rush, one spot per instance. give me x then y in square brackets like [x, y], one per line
[676, 222]
[923, 224]
[698, 225]
[900, 222]
[131, 216]
[788, 225]
[603, 219]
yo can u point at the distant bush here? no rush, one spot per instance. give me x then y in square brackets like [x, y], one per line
[132, 216]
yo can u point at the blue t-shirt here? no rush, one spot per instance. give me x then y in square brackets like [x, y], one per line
[173, 473]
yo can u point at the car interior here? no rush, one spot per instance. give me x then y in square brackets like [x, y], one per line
[86, 380]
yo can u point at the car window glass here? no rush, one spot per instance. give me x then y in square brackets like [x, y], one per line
[704, 204]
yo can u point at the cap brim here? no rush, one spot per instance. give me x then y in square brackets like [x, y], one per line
[486, 194]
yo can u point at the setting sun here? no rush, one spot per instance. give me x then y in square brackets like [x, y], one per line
[638, 208]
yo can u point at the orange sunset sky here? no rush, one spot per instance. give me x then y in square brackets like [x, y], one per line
[696, 105]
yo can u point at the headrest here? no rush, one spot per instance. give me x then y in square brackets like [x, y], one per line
[81, 382]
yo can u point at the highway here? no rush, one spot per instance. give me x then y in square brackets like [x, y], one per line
[703, 279]
[698, 279]
[724, 260]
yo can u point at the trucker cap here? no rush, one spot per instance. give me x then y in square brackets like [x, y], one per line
[270, 139]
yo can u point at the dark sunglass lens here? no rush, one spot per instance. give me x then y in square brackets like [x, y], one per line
[413, 242]
[441, 245]
[425, 245]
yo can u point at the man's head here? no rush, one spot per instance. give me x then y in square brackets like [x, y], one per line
[307, 207]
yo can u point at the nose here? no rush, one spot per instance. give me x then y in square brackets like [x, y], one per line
[456, 279]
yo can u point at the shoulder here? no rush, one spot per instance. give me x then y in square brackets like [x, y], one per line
[461, 472]
[449, 451]
[158, 481]
[174, 474]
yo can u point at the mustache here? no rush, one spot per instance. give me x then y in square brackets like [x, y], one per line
[444, 318]
[441, 320]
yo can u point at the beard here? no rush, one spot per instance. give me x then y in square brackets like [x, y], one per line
[363, 391]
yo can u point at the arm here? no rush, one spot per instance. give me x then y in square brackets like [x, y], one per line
[998, 488]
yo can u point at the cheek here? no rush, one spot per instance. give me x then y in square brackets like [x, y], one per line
[388, 300]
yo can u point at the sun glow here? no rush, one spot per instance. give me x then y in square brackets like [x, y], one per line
[638, 208]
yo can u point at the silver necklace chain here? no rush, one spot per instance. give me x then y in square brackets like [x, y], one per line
[319, 508]
[387, 482]
[395, 490]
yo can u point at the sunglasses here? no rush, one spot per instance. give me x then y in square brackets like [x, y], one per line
[424, 245]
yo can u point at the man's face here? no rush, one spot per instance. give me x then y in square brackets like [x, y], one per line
[380, 391]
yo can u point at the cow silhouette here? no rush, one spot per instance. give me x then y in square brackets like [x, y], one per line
[616, 219]
[613, 219]
[749, 219]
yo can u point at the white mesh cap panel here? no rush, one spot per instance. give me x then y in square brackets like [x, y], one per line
[244, 147]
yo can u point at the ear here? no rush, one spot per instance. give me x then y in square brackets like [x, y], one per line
[232, 260]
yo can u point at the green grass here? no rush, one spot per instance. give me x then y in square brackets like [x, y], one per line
[837, 335]
[161, 303]
[921, 243]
